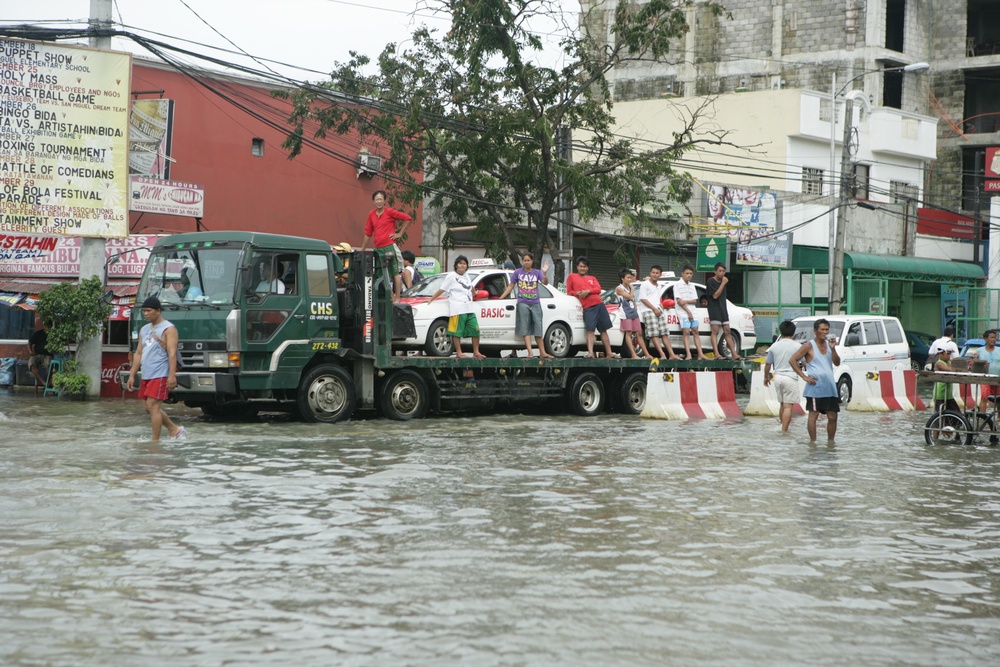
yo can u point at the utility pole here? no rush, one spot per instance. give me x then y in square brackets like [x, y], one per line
[846, 191]
[88, 353]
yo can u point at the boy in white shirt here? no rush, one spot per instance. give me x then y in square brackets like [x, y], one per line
[685, 303]
[463, 322]
[647, 302]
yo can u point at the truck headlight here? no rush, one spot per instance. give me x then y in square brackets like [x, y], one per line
[218, 359]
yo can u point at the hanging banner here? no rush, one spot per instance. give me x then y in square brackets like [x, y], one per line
[710, 251]
[63, 139]
[150, 131]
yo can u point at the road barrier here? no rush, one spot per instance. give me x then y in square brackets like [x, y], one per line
[691, 395]
[885, 391]
[764, 400]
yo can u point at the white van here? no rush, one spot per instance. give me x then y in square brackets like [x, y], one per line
[865, 343]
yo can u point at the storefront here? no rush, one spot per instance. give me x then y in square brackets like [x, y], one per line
[31, 264]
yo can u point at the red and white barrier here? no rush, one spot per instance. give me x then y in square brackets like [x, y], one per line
[966, 395]
[885, 391]
[764, 400]
[691, 395]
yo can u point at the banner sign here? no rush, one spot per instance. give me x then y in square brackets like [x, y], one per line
[151, 195]
[711, 251]
[150, 131]
[63, 139]
[23, 255]
[749, 217]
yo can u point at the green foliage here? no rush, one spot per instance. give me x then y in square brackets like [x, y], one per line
[74, 312]
[471, 121]
[71, 382]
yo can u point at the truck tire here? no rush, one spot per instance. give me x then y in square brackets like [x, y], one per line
[438, 343]
[404, 396]
[558, 340]
[586, 395]
[234, 412]
[326, 395]
[631, 395]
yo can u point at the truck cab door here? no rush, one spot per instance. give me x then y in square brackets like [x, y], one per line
[274, 309]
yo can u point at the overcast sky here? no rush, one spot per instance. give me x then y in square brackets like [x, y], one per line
[310, 34]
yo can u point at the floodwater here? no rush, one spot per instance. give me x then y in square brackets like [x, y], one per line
[504, 540]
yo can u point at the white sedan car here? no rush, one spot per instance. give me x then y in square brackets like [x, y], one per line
[740, 320]
[562, 317]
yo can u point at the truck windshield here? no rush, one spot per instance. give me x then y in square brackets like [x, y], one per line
[191, 276]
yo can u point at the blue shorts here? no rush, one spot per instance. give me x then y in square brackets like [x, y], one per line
[596, 318]
[686, 323]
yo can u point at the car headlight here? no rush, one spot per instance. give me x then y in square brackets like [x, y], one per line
[218, 359]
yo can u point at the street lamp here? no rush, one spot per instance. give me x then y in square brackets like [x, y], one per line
[838, 228]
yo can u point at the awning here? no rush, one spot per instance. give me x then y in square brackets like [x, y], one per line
[22, 294]
[911, 268]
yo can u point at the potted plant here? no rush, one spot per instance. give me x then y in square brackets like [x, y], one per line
[75, 312]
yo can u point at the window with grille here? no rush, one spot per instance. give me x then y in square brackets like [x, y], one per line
[812, 181]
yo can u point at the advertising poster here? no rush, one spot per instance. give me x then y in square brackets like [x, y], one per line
[59, 256]
[63, 140]
[954, 309]
[150, 131]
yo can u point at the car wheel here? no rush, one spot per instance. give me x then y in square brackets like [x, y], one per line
[845, 389]
[404, 396]
[724, 345]
[586, 395]
[439, 343]
[915, 365]
[558, 340]
[326, 395]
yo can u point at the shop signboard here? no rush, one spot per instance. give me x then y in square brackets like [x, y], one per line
[28, 255]
[710, 251]
[64, 141]
[152, 195]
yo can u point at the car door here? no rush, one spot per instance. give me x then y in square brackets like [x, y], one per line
[495, 315]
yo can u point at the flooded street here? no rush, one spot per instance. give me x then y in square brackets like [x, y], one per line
[505, 540]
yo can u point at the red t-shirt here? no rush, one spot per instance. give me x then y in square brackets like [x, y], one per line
[380, 226]
[575, 283]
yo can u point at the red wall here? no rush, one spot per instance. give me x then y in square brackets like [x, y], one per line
[315, 195]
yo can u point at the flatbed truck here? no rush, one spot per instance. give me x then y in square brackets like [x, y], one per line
[278, 323]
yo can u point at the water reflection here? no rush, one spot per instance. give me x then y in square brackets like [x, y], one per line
[503, 540]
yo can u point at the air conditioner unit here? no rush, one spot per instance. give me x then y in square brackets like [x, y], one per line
[368, 165]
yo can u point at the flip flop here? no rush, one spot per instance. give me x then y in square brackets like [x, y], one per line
[181, 432]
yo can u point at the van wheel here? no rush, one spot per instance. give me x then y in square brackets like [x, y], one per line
[558, 340]
[632, 394]
[438, 343]
[845, 389]
[586, 395]
[404, 396]
[326, 395]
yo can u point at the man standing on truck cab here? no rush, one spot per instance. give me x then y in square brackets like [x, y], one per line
[463, 322]
[382, 225]
[585, 287]
[156, 356]
[528, 316]
[820, 356]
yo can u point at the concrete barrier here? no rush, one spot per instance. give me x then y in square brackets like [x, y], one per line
[691, 395]
[764, 400]
[885, 391]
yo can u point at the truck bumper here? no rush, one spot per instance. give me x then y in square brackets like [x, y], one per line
[192, 382]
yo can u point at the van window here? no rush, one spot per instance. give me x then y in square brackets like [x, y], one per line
[873, 333]
[893, 333]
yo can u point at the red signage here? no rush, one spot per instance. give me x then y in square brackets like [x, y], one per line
[942, 223]
[991, 186]
[993, 162]
[23, 255]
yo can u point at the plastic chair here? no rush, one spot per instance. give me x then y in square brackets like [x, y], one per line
[55, 366]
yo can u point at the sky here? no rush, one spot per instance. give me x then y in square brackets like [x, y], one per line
[310, 35]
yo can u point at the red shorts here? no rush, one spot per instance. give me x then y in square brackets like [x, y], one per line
[155, 388]
[988, 390]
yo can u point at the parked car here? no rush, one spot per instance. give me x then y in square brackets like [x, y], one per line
[970, 345]
[562, 317]
[740, 321]
[920, 346]
[865, 343]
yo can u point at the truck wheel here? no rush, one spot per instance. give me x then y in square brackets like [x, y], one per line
[586, 395]
[439, 343]
[405, 396]
[326, 395]
[845, 389]
[558, 340]
[632, 394]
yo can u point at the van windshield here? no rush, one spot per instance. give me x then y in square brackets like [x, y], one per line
[189, 276]
[804, 330]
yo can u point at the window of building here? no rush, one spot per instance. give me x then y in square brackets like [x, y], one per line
[116, 332]
[982, 100]
[982, 28]
[862, 189]
[892, 89]
[16, 324]
[257, 147]
[973, 172]
[900, 191]
[895, 20]
[812, 181]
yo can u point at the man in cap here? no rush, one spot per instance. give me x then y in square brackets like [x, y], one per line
[156, 356]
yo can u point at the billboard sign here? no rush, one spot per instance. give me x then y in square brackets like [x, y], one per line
[150, 132]
[63, 139]
[151, 195]
[25, 255]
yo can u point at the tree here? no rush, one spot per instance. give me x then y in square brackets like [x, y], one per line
[73, 312]
[474, 115]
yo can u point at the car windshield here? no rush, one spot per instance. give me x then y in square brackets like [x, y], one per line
[190, 276]
[804, 330]
[431, 284]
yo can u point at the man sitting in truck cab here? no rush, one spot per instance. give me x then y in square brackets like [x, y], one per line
[268, 283]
